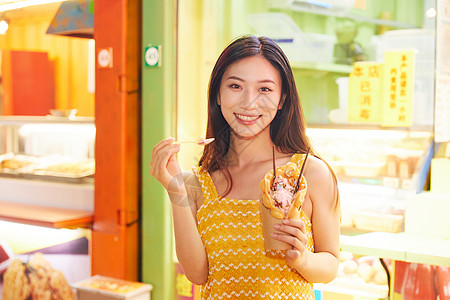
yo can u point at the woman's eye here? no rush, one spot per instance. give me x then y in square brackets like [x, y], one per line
[265, 89]
[234, 86]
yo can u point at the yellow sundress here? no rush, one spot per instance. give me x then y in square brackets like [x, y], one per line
[239, 266]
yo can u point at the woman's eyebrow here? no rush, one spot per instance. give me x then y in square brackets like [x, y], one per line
[240, 79]
[267, 80]
[234, 77]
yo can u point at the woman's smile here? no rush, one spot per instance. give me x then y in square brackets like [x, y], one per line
[246, 119]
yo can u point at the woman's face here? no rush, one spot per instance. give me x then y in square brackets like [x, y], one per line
[250, 94]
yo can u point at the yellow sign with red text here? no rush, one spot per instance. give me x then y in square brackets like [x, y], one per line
[398, 88]
[382, 93]
[365, 93]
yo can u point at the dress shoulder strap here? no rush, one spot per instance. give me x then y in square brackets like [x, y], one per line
[208, 189]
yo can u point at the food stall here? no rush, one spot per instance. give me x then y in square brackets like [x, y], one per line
[382, 156]
[90, 211]
[384, 160]
[47, 145]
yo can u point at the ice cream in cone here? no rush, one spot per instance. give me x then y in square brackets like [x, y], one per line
[281, 199]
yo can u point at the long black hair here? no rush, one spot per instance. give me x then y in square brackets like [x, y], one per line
[288, 128]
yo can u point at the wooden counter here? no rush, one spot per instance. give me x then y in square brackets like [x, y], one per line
[44, 216]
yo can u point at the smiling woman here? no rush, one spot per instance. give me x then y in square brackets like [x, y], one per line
[253, 107]
[250, 96]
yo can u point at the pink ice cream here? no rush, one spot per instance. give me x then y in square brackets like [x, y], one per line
[282, 193]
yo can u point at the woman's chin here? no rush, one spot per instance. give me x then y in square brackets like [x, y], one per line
[246, 134]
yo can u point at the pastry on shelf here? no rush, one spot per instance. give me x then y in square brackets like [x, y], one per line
[35, 279]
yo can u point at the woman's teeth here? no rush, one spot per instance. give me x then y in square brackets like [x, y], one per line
[246, 118]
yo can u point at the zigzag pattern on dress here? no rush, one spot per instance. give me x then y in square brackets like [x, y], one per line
[234, 238]
[231, 201]
[258, 251]
[266, 295]
[255, 280]
[225, 213]
[223, 225]
[249, 266]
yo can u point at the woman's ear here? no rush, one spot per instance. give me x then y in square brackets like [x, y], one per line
[282, 100]
[218, 100]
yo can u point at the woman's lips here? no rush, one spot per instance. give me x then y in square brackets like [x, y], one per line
[246, 119]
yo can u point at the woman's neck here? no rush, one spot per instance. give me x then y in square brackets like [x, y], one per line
[244, 151]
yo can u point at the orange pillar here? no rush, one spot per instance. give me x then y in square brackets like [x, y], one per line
[115, 246]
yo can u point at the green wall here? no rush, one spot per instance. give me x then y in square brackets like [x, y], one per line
[158, 122]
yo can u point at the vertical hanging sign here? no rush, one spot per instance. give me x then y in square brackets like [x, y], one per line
[398, 88]
[365, 93]
[442, 96]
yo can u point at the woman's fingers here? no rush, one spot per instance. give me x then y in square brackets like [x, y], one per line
[163, 164]
[294, 227]
[163, 143]
[295, 242]
[296, 223]
[294, 233]
[161, 151]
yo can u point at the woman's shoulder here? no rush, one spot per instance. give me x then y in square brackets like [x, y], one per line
[320, 179]
[317, 168]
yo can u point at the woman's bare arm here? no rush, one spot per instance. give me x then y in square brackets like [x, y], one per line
[322, 264]
[183, 194]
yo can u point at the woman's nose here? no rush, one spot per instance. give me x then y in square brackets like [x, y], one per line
[249, 100]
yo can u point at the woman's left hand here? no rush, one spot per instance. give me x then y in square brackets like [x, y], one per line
[294, 235]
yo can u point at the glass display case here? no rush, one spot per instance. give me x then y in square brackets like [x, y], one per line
[47, 165]
[377, 169]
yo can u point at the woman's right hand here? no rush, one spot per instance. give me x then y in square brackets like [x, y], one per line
[165, 168]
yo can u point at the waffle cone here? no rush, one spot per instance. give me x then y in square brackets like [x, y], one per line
[270, 214]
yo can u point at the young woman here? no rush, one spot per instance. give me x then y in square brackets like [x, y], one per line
[253, 105]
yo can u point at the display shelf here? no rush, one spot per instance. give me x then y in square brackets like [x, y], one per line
[400, 246]
[52, 217]
[322, 67]
[301, 7]
[20, 120]
[46, 193]
[435, 252]
[427, 129]
[351, 287]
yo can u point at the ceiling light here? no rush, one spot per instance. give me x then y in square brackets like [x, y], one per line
[430, 13]
[3, 27]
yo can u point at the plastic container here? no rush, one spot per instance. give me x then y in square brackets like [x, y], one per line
[107, 288]
[297, 45]
[340, 114]
[421, 40]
